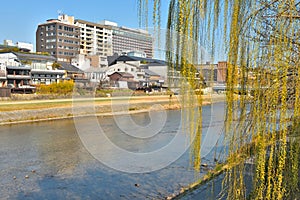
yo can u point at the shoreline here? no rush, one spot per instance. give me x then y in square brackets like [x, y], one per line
[100, 108]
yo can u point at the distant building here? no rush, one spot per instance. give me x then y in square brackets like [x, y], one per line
[136, 54]
[95, 39]
[3, 79]
[123, 80]
[8, 43]
[25, 46]
[73, 72]
[65, 38]
[59, 37]
[22, 46]
[222, 72]
[18, 76]
[95, 75]
[93, 66]
[81, 61]
[41, 70]
[36, 61]
[98, 61]
[145, 70]
[106, 38]
[127, 67]
[127, 39]
[213, 73]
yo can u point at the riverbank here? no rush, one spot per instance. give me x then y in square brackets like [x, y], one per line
[15, 112]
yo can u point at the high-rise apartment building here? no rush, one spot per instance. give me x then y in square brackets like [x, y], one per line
[59, 37]
[126, 39]
[95, 39]
[65, 38]
[106, 38]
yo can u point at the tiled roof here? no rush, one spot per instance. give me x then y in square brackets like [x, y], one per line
[124, 74]
[149, 61]
[151, 73]
[70, 68]
[94, 69]
[30, 56]
[19, 67]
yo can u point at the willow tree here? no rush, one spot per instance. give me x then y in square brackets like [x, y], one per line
[261, 38]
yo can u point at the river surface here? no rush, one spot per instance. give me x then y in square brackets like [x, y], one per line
[47, 160]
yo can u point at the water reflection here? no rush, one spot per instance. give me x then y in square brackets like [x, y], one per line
[59, 167]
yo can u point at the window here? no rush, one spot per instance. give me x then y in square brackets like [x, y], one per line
[70, 29]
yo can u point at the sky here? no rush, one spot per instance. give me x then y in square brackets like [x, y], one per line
[20, 18]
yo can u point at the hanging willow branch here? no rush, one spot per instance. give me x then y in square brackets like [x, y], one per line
[261, 39]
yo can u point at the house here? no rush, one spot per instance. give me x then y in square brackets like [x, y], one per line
[127, 67]
[3, 78]
[18, 76]
[74, 73]
[213, 73]
[41, 66]
[35, 61]
[123, 80]
[137, 66]
[95, 75]
[19, 79]
[47, 76]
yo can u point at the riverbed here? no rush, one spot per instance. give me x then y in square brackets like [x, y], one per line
[47, 160]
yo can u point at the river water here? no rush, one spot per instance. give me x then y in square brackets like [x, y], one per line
[47, 160]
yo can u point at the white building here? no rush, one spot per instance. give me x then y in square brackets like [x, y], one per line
[40, 66]
[140, 54]
[91, 66]
[24, 46]
[81, 61]
[95, 39]
[8, 43]
[128, 67]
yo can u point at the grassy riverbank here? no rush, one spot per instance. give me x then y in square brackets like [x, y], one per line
[12, 112]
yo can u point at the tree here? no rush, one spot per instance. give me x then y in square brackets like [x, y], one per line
[261, 36]
[56, 65]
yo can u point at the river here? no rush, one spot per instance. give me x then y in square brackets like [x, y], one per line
[47, 160]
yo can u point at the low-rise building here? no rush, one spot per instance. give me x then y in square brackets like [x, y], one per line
[18, 76]
[95, 75]
[47, 77]
[21, 46]
[3, 78]
[123, 80]
[137, 67]
[41, 66]
[127, 67]
[213, 73]
[73, 73]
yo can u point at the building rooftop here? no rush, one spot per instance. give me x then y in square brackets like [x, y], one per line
[22, 67]
[151, 73]
[148, 61]
[70, 68]
[95, 69]
[30, 56]
[123, 74]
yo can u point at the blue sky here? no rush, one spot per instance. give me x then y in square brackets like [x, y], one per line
[20, 18]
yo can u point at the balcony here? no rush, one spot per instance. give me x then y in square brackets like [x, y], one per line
[19, 77]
